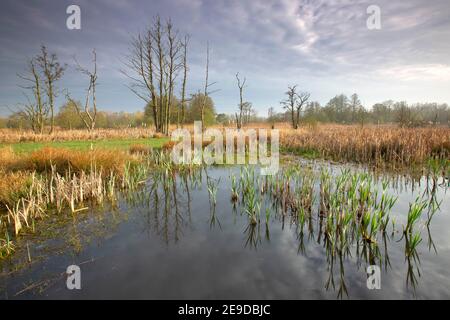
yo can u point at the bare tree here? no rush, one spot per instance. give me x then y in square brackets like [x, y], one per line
[158, 34]
[290, 103]
[35, 111]
[247, 112]
[241, 85]
[303, 98]
[35, 116]
[206, 91]
[89, 113]
[184, 45]
[174, 46]
[141, 62]
[52, 71]
[403, 113]
[153, 64]
[271, 117]
[294, 103]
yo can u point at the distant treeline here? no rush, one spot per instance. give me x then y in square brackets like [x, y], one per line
[68, 117]
[342, 109]
[339, 109]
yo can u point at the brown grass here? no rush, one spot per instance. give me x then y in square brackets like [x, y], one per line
[13, 186]
[157, 135]
[30, 184]
[169, 145]
[13, 136]
[140, 149]
[7, 157]
[65, 160]
[385, 145]
[16, 170]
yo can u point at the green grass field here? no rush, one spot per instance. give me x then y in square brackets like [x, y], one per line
[120, 144]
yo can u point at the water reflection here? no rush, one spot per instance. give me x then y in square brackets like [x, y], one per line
[347, 214]
[336, 242]
[321, 206]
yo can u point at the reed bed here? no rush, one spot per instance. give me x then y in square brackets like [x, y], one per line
[56, 181]
[53, 193]
[14, 136]
[64, 160]
[17, 170]
[380, 146]
[384, 146]
[13, 185]
[52, 180]
[140, 149]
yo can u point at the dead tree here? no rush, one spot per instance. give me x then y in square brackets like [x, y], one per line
[206, 92]
[247, 113]
[36, 111]
[33, 114]
[241, 85]
[294, 103]
[303, 98]
[271, 117]
[88, 114]
[153, 65]
[184, 45]
[141, 62]
[174, 46]
[52, 71]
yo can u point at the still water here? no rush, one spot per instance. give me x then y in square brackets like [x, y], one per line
[178, 240]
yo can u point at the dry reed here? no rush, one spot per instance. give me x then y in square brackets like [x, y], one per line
[14, 136]
[386, 145]
[65, 160]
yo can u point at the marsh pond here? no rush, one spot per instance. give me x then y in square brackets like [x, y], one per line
[308, 232]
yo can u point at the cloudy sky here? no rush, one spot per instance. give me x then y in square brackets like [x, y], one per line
[323, 46]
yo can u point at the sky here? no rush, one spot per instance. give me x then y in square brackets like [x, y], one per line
[323, 46]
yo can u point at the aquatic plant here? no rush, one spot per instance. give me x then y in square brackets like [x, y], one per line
[352, 204]
[412, 244]
[52, 191]
[414, 214]
[267, 216]
[212, 188]
[6, 246]
[234, 189]
[252, 206]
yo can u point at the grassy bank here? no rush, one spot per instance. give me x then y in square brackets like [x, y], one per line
[37, 178]
[116, 144]
[48, 181]
[9, 136]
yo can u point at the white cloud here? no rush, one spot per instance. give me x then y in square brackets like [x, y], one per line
[272, 42]
[424, 72]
